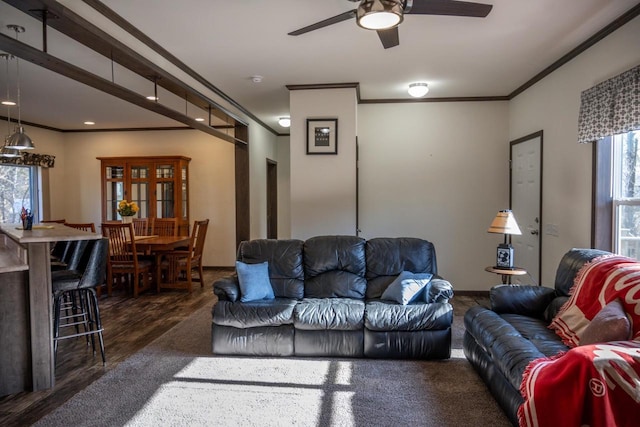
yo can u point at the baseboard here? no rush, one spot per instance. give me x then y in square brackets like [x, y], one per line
[484, 294]
[218, 268]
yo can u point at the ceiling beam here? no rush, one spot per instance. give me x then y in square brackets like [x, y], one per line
[49, 62]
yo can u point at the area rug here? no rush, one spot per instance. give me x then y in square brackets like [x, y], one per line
[176, 381]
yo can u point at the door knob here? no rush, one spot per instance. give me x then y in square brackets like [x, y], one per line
[535, 232]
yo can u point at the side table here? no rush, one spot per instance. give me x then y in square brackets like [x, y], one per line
[506, 272]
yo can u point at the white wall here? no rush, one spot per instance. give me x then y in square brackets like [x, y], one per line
[437, 171]
[552, 105]
[323, 191]
[262, 146]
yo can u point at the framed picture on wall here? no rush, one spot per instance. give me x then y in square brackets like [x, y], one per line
[322, 136]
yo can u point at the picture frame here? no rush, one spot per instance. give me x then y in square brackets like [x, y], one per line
[322, 136]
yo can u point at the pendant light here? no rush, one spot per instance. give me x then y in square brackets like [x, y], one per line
[6, 151]
[19, 140]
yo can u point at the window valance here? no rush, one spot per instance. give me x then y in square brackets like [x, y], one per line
[611, 107]
[31, 159]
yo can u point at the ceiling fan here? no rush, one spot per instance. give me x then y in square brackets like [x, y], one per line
[384, 16]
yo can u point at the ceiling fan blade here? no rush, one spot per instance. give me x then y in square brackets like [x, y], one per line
[449, 7]
[329, 21]
[389, 38]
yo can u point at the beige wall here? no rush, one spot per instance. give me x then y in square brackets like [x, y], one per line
[77, 195]
[552, 105]
[438, 171]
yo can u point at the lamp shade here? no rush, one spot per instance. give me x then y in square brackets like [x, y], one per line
[379, 14]
[20, 140]
[504, 223]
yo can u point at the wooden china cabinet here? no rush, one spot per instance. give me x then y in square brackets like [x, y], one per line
[159, 185]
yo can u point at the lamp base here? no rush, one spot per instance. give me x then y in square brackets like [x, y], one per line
[504, 256]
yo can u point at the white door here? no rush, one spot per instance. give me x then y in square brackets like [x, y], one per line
[526, 190]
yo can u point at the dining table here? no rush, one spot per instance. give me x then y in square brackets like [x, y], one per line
[157, 245]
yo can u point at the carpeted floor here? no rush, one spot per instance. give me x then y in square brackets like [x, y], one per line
[176, 381]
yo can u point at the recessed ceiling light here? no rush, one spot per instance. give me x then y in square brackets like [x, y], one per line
[199, 119]
[88, 123]
[9, 103]
[418, 90]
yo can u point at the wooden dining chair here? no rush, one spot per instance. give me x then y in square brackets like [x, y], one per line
[141, 226]
[123, 258]
[85, 226]
[165, 227]
[176, 267]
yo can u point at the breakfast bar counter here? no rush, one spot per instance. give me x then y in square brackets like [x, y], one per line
[26, 324]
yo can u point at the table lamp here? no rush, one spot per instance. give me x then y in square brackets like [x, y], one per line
[504, 223]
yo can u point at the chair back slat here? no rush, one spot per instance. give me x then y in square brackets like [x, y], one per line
[165, 226]
[122, 245]
[141, 226]
[85, 226]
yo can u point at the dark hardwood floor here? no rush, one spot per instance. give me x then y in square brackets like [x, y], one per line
[129, 325]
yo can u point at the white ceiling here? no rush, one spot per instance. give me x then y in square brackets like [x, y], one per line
[228, 42]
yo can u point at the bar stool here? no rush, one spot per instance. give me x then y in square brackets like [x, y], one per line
[81, 284]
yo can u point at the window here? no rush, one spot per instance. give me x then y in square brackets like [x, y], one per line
[18, 188]
[626, 194]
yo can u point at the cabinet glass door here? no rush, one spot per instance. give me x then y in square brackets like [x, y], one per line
[140, 177]
[114, 190]
[165, 195]
[185, 213]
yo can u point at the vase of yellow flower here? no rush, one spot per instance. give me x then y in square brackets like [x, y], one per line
[127, 210]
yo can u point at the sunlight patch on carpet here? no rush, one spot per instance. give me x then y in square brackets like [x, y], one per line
[235, 391]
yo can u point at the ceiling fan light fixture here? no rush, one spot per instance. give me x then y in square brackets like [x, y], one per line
[379, 14]
[418, 90]
[285, 122]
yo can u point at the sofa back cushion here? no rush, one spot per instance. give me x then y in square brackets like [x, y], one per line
[335, 267]
[286, 271]
[387, 257]
[569, 266]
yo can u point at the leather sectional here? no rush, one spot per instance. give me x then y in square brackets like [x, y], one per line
[328, 301]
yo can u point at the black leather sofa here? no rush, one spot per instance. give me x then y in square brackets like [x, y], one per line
[500, 341]
[327, 301]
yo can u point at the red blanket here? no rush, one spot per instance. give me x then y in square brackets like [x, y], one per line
[594, 385]
[598, 283]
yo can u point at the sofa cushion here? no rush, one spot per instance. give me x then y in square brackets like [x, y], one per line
[407, 287]
[610, 324]
[569, 266]
[254, 281]
[438, 290]
[343, 314]
[334, 267]
[254, 314]
[387, 257]
[383, 315]
[286, 271]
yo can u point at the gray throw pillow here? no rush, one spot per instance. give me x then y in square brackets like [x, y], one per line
[406, 287]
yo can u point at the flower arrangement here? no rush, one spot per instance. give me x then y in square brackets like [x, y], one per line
[127, 208]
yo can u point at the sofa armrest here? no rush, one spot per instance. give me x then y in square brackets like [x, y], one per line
[227, 288]
[439, 290]
[528, 300]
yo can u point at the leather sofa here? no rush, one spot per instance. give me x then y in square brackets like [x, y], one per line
[328, 301]
[500, 341]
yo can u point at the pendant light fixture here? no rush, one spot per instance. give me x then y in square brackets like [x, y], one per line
[19, 140]
[5, 151]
